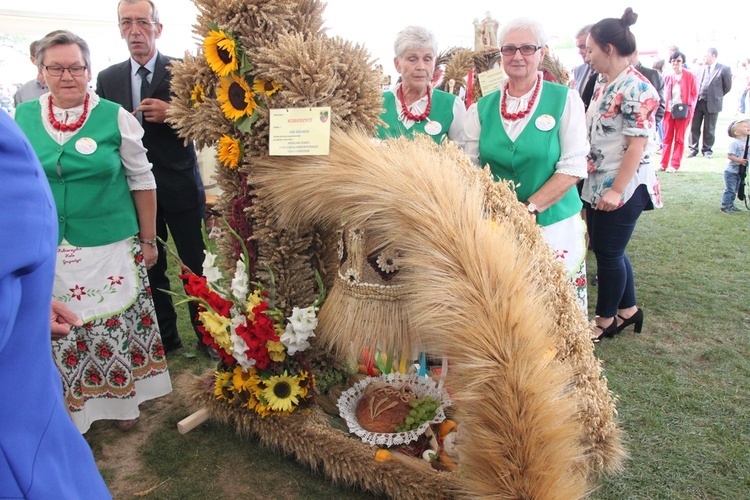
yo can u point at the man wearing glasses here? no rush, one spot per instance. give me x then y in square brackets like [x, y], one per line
[142, 86]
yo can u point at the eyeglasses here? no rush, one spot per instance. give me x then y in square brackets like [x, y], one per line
[143, 24]
[59, 70]
[526, 50]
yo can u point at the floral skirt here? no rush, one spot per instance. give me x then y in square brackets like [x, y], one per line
[115, 360]
[567, 239]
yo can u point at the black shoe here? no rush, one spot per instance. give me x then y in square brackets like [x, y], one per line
[692, 154]
[172, 347]
[208, 350]
[636, 319]
[608, 332]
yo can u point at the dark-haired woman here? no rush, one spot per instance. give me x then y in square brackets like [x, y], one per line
[679, 88]
[621, 182]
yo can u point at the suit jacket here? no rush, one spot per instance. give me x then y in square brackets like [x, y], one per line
[657, 81]
[175, 166]
[719, 84]
[581, 76]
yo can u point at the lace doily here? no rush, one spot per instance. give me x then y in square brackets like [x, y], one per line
[420, 385]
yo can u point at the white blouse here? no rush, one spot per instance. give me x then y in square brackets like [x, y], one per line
[133, 154]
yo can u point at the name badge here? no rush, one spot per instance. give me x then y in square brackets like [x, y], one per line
[86, 145]
[545, 123]
[433, 128]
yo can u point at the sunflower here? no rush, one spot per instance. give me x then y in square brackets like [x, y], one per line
[230, 151]
[223, 386]
[236, 98]
[221, 52]
[197, 95]
[267, 87]
[244, 379]
[306, 381]
[282, 392]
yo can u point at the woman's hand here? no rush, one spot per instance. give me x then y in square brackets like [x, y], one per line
[150, 254]
[612, 200]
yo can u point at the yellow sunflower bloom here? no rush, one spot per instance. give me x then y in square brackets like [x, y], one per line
[197, 95]
[267, 87]
[262, 409]
[223, 386]
[276, 351]
[245, 379]
[282, 392]
[230, 151]
[236, 97]
[221, 53]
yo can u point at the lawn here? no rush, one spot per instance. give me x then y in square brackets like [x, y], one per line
[683, 385]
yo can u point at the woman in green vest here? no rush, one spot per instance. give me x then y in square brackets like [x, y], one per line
[105, 195]
[533, 133]
[413, 106]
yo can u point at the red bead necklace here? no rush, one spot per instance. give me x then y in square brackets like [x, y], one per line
[520, 114]
[73, 126]
[409, 115]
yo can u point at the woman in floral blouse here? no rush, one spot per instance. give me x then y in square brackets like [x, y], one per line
[621, 182]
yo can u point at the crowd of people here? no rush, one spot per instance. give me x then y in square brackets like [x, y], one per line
[119, 180]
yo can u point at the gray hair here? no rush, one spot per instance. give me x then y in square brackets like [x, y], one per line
[414, 37]
[523, 24]
[62, 37]
[154, 10]
[584, 31]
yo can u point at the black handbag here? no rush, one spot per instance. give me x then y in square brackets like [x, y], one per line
[680, 111]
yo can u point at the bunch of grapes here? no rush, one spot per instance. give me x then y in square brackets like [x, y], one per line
[422, 410]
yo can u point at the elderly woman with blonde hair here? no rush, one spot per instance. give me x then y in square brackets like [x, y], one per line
[413, 106]
[532, 133]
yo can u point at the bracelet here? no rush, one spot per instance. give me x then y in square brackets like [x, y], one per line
[151, 243]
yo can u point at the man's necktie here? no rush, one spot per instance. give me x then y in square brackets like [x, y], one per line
[143, 73]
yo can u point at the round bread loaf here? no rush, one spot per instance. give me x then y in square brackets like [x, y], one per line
[383, 407]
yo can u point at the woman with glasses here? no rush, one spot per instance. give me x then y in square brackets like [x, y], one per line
[414, 107]
[532, 133]
[680, 88]
[621, 184]
[101, 181]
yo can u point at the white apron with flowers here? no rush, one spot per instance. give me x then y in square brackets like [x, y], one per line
[115, 360]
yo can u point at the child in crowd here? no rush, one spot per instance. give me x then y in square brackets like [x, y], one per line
[739, 130]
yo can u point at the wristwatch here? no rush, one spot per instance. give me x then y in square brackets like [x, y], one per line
[151, 243]
[532, 208]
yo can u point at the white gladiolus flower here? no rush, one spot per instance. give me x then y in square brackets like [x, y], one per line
[295, 341]
[210, 271]
[303, 319]
[240, 281]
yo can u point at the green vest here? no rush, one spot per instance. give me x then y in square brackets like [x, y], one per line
[441, 112]
[94, 205]
[529, 161]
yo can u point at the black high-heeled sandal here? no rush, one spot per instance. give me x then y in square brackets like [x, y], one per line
[636, 319]
[608, 331]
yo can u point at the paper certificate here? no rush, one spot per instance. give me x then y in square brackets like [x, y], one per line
[491, 79]
[300, 132]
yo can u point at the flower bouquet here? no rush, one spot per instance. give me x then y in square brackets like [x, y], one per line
[262, 366]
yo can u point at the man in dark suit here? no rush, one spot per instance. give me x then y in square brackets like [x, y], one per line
[714, 82]
[656, 80]
[181, 200]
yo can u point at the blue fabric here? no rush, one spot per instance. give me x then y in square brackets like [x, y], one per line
[610, 234]
[732, 182]
[42, 454]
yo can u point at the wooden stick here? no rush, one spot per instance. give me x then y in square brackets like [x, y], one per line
[190, 422]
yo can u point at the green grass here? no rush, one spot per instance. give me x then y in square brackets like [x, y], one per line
[683, 386]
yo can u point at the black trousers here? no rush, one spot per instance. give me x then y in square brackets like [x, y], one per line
[185, 228]
[709, 128]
